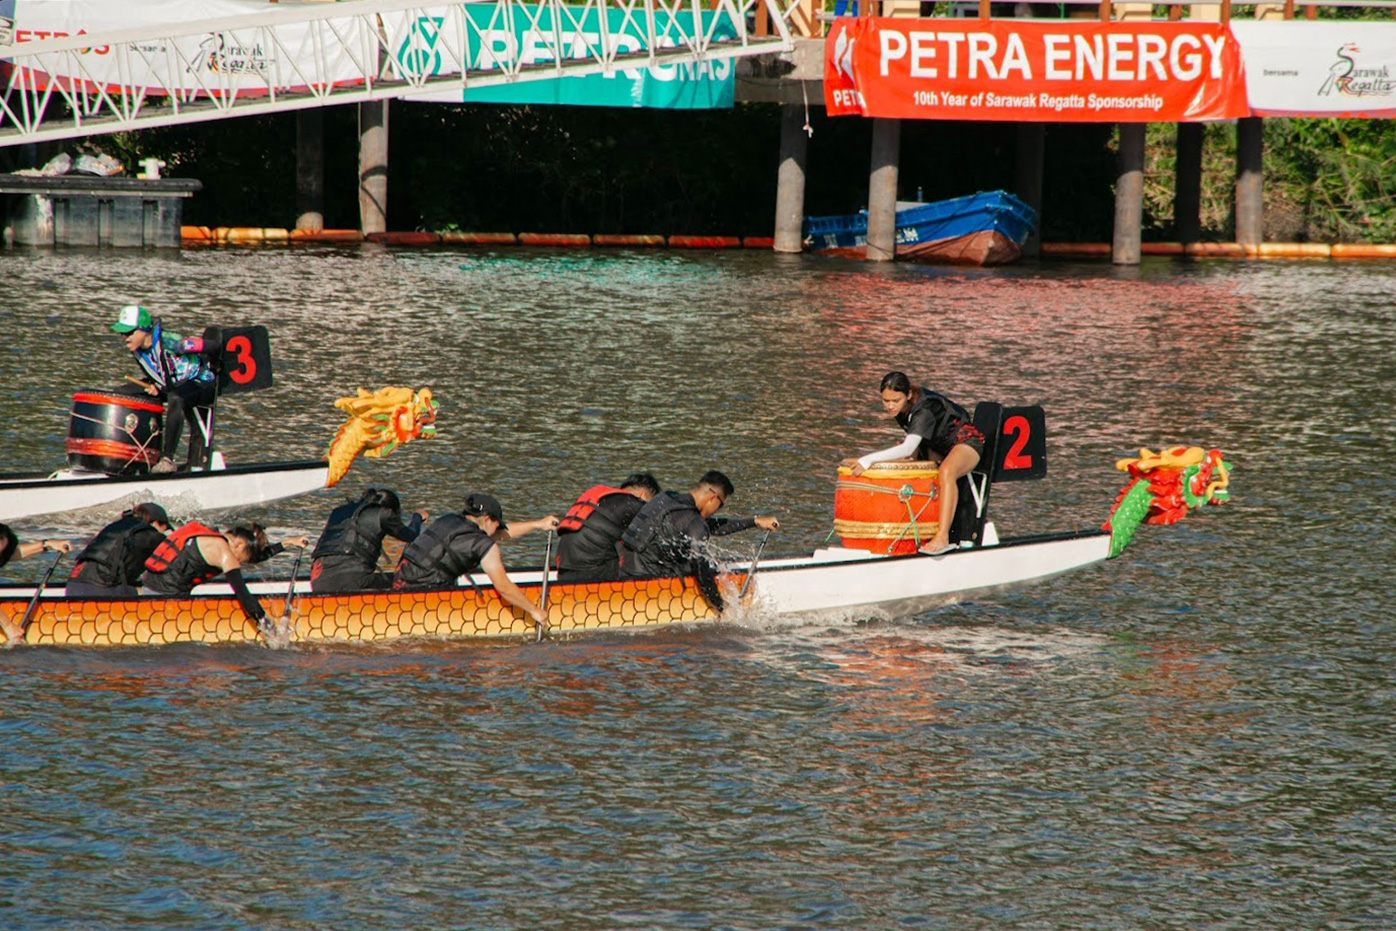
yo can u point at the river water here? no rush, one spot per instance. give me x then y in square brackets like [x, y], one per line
[1198, 735]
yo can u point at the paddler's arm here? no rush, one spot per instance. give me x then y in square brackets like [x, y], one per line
[217, 552]
[721, 526]
[26, 550]
[493, 564]
[904, 450]
[392, 525]
[518, 528]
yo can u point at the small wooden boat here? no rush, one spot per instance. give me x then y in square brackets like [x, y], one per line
[987, 228]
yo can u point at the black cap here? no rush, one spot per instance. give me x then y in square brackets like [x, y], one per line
[483, 505]
[154, 513]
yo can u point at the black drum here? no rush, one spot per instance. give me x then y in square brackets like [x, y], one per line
[114, 433]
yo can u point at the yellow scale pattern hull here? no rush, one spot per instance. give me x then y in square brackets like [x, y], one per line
[462, 613]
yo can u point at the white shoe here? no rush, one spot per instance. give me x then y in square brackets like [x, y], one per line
[163, 467]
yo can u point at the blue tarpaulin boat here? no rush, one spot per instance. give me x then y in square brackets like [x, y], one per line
[987, 228]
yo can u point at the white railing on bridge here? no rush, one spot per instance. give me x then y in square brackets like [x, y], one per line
[112, 80]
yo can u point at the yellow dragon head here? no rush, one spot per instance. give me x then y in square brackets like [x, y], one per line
[378, 423]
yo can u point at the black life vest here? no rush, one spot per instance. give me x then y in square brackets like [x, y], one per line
[450, 547]
[650, 545]
[584, 509]
[177, 566]
[117, 555]
[345, 536]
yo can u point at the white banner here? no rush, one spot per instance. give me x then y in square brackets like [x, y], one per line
[1335, 68]
[240, 61]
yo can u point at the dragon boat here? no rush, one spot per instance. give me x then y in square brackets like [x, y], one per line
[113, 440]
[882, 516]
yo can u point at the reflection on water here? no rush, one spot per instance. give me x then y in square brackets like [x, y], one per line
[1196, 735]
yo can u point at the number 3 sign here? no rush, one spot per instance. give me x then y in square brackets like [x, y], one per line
[246, 360]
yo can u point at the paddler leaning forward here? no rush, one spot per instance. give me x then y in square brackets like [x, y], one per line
[196, 553]
[454, 545]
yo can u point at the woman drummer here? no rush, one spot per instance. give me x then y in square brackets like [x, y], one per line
[936, 427]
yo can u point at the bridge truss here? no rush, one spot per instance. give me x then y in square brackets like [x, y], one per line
[316, 55]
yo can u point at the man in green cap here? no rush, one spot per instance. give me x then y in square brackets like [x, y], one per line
[175, 371]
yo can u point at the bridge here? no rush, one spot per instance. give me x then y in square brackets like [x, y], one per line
[284, 59]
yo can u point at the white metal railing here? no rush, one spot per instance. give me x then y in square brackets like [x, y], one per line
[293, 58]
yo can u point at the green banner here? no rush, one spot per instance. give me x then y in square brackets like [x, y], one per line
[702, 86]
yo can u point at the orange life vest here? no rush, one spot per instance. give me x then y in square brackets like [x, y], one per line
[585, 506]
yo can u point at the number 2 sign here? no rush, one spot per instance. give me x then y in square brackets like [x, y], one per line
[1021, 448]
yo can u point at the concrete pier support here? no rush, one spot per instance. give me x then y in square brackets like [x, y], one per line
[790, 180]
[1250, 188]
[373, 166]
[1031, 147]
[1187, 183]
[310, 170]
[1129, 196]
[882, 190]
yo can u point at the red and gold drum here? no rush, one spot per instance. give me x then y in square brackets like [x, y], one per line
[113, 433]
[891, 508]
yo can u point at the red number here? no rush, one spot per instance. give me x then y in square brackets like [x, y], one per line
[241, 348]
[1018, 426]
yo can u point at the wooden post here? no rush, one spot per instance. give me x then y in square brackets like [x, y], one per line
[1129, 196]
[310, 169]
[1028, 168]
[373, 166]
[882, 190]
[1250, 185]
[1187, 183]
[790, 180]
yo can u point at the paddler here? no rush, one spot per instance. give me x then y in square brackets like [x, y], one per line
[195, 554]
[936, 428]
[175, 371]
[588, 536]
[457, 544]
[346, 557]
[11, 548]
[667, 536]
[112, 564]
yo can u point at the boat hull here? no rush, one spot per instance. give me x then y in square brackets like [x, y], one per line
[829, 583]
[100, 496]
[988, 228]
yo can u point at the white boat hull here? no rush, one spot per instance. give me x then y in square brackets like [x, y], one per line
[97, 496]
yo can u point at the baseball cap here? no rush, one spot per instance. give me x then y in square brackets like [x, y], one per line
[482, 505]
[155, 512]
[131, 317]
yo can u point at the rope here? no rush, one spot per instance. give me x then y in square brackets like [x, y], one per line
[144, 448]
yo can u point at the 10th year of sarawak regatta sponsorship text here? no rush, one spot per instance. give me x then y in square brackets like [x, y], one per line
[1057, 71]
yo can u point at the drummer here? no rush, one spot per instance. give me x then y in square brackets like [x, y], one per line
[175, 371]
[936, 428]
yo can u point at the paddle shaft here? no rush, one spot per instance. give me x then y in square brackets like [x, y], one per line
[291, 588]
[547, 570]
[751, 572]
[34, 602]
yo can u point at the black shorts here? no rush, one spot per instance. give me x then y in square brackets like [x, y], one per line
[971, 436]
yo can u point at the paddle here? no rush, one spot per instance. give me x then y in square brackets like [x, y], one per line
[751, 572]
[34, 602]
[291, 589]
[547, 570]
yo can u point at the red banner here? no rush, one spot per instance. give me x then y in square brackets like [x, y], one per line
[1059, 71]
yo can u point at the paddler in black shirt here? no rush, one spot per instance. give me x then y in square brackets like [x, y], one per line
[588, 536]
[112, 564]
[346, 557]
[936, 428]
[195, 554]
[666, 538]
[457, 544]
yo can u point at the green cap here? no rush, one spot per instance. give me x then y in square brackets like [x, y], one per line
[132, 317]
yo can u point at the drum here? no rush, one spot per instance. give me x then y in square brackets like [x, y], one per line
[892, 507]
[114, 433]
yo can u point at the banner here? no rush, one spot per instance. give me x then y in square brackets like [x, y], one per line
[1063, 71]
[1335, 68]
[199, 66]
[532, 38]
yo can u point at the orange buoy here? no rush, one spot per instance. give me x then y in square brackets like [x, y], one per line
[555, 239]
[479, 239]
[405, 238]
[614, 239]
[326, 236]
[892, 507]
[705, 242]
[758, 242]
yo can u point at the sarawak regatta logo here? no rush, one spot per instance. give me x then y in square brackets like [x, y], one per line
[1347, 79]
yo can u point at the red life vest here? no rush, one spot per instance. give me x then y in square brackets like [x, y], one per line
[585, 506]
[195, 570]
